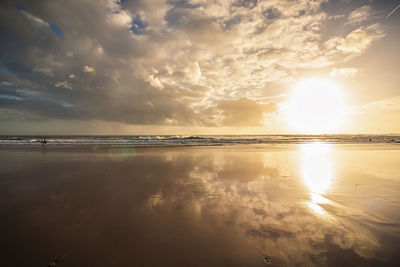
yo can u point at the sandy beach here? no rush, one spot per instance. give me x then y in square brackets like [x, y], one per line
[199, 133]
[235, 205]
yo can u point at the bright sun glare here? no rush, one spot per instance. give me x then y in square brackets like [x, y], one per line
[316, 106]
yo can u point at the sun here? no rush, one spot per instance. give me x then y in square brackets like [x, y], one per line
[316, 106]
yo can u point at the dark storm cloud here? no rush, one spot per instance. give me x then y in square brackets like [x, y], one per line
[94, 51]
[159, 62]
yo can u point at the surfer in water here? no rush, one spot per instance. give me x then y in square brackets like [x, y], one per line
[43, 141]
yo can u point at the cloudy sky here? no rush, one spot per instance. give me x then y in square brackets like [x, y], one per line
[192, 67]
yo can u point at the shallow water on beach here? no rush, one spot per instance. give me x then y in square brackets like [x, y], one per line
[241, 205]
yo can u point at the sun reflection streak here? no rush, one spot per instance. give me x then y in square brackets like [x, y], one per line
[317, 173]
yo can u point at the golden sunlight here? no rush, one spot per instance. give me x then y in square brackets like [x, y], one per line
[316, 106]
[317, 169]
[317, 173]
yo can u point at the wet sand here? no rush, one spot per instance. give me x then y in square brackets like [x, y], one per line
[244, 205]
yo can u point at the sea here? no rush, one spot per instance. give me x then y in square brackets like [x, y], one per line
[54, 140]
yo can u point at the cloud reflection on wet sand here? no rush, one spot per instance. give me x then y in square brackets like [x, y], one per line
[201, 206]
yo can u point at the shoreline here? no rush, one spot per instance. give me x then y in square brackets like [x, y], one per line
[124, 148]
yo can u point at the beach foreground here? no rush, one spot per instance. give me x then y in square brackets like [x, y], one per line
[235, 205]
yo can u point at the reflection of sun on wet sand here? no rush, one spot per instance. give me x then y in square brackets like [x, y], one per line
[317, 173]
[202, 206]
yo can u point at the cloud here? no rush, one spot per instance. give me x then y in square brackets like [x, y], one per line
[343, 72]
[64, 84]
[120, 18]
[194, 71]
[169, 62]
[359, 15]
[44, 70]
[155, 82]
[391, 103]
[88, 69]
[357, 41]
[244, 112]
[34, 18]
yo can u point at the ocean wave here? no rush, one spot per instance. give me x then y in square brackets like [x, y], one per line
[195, 140]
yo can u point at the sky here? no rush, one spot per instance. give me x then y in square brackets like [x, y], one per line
[194, 66]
